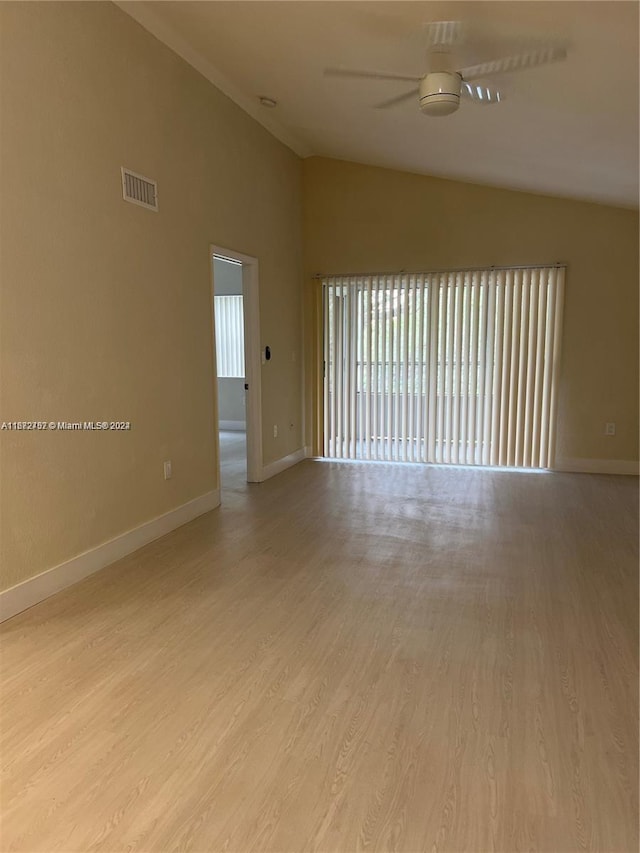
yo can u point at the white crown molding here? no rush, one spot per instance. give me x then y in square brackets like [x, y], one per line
[146, 17]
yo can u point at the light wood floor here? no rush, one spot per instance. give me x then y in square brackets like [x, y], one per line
[344, 658]
[233, 461]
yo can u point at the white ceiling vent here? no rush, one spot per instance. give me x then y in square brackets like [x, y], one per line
[139, 190]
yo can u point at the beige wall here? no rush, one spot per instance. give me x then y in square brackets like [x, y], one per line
[361, 218]
[106, 306]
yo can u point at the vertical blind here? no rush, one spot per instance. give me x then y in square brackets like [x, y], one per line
[455, 367]
[229, 316]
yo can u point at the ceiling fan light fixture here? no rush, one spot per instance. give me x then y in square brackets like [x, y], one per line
[440, 93]
[441, 88]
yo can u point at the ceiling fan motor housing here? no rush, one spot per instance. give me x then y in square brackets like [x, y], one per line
[440, 93]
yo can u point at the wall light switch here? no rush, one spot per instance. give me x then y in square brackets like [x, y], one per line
[167, 470]
[275, 430]
[609, 429]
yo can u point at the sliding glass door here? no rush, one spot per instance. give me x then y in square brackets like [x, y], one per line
[457, 367]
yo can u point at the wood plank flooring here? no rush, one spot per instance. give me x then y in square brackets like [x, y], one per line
[233, 460]
[344, 658]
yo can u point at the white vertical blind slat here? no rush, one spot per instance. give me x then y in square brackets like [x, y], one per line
[522, 370]
[359, 327]
[441, 332]
[449, 303]
[485, 458]
[457, 364]
[555, 356]
[473, 368]
[354, 335]
[347, 340]
[531, 358]
[516, 302]
[375, 380]
[421, 362]
[494, 437]
[410, 368]
[396, 373]
[464, 368]
[405, 438]
[366, 368]
[339, 328]
[482, 367]
[547, 371]
[383, 368]
[238, 354]
[538, 370]
[506, 369]
[328, 396]
[334, 374]
[388, 381]
[432, 361]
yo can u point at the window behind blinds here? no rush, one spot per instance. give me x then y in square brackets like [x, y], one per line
[229, 336]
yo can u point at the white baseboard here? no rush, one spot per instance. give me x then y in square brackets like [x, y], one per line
[597, 466]
[282, 464]
[234, 426]
[23, 595]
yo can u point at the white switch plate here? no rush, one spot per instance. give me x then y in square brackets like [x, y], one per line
[275, 430]
[167, 470]
[610, 429]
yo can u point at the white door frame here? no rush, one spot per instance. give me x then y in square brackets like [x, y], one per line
[252, 358]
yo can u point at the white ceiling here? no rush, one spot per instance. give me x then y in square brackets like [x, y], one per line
[567, 129]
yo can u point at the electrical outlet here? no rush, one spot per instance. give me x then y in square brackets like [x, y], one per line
[275, 430]
[167, 470]
[610, 429]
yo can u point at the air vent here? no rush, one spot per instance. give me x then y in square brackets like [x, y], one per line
[139, 190]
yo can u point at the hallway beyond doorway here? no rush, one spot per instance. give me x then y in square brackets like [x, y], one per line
[233, 460]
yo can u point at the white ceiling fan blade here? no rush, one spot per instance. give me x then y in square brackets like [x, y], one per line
[444, 34]
[375, 75]
[540, 56]
[481, 94]
[392, 102]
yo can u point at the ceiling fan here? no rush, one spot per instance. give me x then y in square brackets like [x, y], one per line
[440, 89]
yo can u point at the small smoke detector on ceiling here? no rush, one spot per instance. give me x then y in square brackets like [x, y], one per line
[268, 102]
[139, 190]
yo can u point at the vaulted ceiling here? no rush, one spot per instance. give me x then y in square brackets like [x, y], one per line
[568, 128]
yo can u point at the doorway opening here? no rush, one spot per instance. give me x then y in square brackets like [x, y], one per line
[237, 361]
